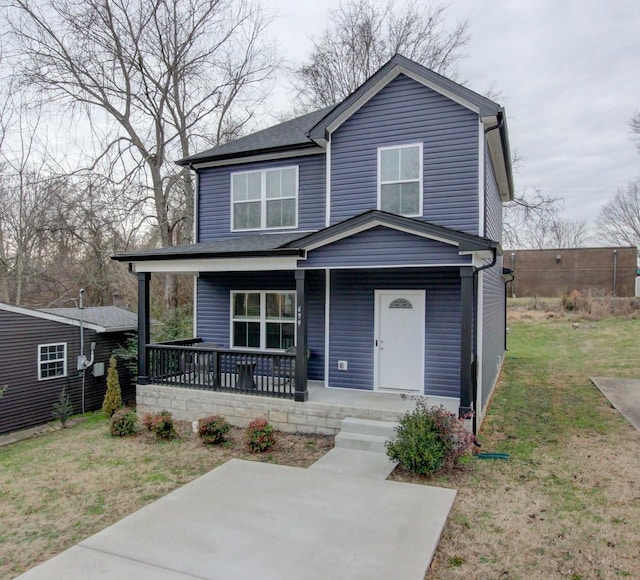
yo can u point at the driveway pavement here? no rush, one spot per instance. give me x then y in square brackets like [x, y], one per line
[624, 395]
[256, 520]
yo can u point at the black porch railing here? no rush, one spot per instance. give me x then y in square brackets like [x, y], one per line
[200, 365]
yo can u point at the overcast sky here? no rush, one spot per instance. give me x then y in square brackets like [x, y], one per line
[569, 76]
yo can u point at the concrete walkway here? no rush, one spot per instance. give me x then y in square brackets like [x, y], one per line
[256, 520]
[624, 395]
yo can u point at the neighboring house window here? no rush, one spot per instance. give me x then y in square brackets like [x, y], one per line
[400, 179]
[263, 320]
[266, 199]
[52, 361]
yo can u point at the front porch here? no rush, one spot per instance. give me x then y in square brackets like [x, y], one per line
[322, 413]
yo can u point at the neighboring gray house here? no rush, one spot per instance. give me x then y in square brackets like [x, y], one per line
[364, 237]
[40, 350]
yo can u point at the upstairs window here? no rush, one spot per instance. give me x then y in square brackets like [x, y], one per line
[263, 200]
[263, 320]
[52, 361]
[400, 179]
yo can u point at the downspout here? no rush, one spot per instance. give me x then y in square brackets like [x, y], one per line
[511, 279]
[474, 376]
[615, 270]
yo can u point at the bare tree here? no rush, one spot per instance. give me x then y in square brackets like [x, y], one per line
[363, 34]
[619, 220]
[534, 220]
[156, 77]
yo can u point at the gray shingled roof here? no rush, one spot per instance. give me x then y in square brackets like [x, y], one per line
[262, 244]
[292, 133]
[109, 317]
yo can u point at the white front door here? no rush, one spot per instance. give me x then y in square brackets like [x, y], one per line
[399, 340]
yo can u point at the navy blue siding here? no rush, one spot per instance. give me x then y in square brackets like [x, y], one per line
[352, 326]
[407, 112]
[382, 246]
[493, 212]
[493, 319]
[214, 307]
[214, 201]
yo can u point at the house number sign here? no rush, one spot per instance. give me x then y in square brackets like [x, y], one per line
[299, 315]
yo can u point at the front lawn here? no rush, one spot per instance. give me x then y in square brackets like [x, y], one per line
[567, 504]
[62, 487]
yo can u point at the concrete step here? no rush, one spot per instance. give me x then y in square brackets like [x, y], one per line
[369, 426]
[356, 463]
[361, 441]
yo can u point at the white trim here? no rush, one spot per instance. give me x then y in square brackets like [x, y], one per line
[264, 200]
[41, 362]
[57, 318]
[494, 143]
[480, 340]
[384, 81]
[375, 223]
[196, 202]
[481, 188]
[262, 320]
[195, 265]
[387, 266]
[254, 158]
[376, 335]
[327, 325]
[420, 176]
[195, 305]
[327, 210]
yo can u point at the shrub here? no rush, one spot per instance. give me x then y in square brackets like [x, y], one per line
[213, 429]
[161, 424]
[62, 408]
[128, 354]
[571, 301]
[113, 397]
[260, 436]
[124, 422]
[429, 439]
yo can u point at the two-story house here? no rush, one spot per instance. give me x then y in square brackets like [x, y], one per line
[365, 237]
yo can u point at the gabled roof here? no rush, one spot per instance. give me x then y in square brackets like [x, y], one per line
[111, 318]
[397, 65]
[98, 318]
[297, 243]
[292, 134]
[374, 218]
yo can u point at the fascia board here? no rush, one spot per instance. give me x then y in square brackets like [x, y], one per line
[196, 265]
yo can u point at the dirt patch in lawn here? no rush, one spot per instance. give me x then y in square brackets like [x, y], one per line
[62, 487]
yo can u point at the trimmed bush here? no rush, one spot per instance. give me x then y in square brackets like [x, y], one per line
[213, 429]
[124, 422]
[161, 424]
[429, 439]
[260, 436]
[113, 397]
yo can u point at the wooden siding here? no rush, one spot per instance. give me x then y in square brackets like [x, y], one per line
[352, 326]
[382, 246]
[493, 202]
[214, 201]
[28, 402]
[214, 308]
[493, 328]
[407, 112]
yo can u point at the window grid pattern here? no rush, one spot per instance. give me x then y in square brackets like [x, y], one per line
[52, 361]
[400, 179]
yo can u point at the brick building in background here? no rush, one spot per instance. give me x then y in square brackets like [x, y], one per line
[557, 272]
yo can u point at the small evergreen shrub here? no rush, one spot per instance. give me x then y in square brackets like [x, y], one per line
[161, 424]
[429, 439]
[113, 397]
[124, 422]
[213, 429]
[260, 436]
[62, 408]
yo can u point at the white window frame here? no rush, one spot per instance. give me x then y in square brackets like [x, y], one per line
[44, 362]
[263, 198]
[263, 319]
[420, 176]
